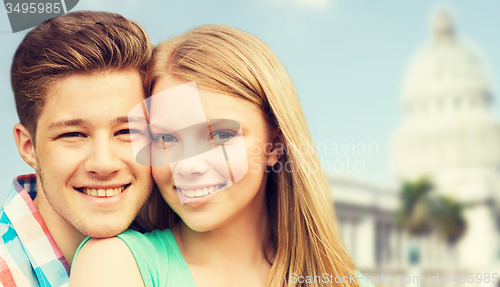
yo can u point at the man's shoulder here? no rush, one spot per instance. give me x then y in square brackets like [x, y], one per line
[7, 231]
[17, 206]
[15, 267]
[7, 234]
[27, 254]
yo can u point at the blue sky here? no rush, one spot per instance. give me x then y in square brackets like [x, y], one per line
[347, 59]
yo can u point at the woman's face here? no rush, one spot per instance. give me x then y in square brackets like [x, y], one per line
[215, 149]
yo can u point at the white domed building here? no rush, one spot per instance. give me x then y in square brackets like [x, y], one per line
[450, 135]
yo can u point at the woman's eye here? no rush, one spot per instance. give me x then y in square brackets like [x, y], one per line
[164, 141]
[222, 137]
[167, 138]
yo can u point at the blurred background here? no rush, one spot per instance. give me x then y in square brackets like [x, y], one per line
[401, 98]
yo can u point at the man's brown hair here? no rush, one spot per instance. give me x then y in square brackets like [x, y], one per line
[80, 42]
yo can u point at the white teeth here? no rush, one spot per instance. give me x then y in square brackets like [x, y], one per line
[109, 192]
[201, 191]
[102, 192]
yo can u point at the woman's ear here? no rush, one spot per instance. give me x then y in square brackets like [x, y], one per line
[277, 150]
[25, 145]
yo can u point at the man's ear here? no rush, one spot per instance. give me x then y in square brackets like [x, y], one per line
[277, 150]
[25, 145]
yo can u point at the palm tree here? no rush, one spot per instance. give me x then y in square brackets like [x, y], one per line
[414, 214]
[448, 214]
[423, 210]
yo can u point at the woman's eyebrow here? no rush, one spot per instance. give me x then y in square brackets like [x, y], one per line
[224, 123]
[160, 127]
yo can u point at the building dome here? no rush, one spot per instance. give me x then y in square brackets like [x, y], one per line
[444, 68]
[447, 122]
[449, 135]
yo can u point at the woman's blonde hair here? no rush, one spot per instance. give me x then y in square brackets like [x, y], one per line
[302, 225]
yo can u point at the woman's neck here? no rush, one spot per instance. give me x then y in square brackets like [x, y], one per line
[240, 243]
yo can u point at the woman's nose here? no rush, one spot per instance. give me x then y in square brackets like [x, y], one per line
[191, 166]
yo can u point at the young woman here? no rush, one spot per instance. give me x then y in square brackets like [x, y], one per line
[248, 204]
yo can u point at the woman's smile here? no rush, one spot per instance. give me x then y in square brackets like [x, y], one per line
[201, 191]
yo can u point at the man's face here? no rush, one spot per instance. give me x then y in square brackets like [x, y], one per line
[85, 163]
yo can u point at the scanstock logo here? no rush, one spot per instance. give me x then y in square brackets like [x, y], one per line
[204, 154]
[25, 14]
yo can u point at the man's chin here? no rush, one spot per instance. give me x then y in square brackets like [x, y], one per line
[103, 231]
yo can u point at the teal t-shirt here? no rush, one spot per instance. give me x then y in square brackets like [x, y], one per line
[158, 257]
[160, 260]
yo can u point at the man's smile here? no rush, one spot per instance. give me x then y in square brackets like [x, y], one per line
[102, 191]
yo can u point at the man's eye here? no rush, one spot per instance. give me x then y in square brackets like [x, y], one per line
[71, 135]
[123, 132]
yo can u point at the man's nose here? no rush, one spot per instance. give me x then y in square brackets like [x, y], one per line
[103, 160]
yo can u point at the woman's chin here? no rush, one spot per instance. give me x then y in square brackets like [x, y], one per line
[201, 228]
[201, 222]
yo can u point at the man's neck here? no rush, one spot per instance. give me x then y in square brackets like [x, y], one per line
[66, 236]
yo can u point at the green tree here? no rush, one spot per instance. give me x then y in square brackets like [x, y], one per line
[423, 210]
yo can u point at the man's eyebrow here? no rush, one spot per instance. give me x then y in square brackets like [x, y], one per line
[122, 120]
[67, 123]
[82, 122]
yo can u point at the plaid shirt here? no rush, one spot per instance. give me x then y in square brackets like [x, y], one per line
[29, 255]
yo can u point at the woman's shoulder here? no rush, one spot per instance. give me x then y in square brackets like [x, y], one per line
[155, 240]
[91, 247]
[98, 260]
[156, 254]
[144, 253]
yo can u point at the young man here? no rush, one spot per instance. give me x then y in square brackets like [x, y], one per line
[75, 79]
